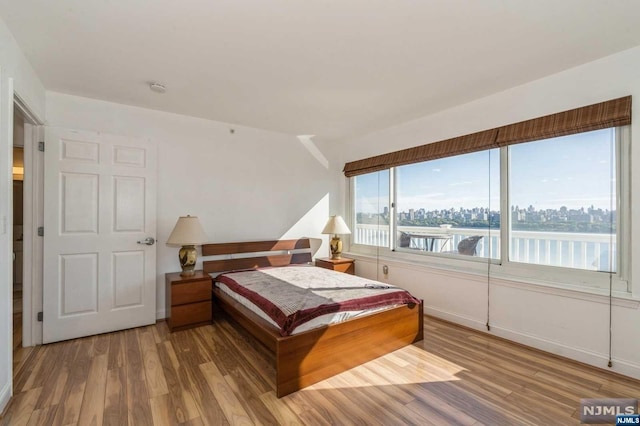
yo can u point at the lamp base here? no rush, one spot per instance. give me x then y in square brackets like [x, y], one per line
[336, 247]
[187, 256]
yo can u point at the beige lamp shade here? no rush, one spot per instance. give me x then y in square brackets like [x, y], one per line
[187, 231]
[336, 225]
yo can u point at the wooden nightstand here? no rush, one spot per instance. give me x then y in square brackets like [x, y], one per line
[188, 300]
[341, 265]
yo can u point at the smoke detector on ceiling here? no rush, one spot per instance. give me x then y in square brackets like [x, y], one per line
[157, 87]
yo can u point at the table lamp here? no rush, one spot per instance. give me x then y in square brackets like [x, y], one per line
[336, 225]
[187, 233]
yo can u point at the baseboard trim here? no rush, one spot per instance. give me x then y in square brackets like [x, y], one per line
[5, 397]
[455, 318]
[161, 314]
[594, 359]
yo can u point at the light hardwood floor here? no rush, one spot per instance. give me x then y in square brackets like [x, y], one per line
[218, 375]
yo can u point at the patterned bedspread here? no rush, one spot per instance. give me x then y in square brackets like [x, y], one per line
[295, 294]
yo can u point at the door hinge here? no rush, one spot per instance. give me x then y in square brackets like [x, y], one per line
[40, 316]
[41, 146]
[40, 231]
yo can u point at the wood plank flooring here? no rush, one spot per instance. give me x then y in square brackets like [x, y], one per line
[218, 375]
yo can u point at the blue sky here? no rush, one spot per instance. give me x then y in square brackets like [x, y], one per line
[572, 171]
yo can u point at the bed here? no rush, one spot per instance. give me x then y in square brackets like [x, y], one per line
[307, 357]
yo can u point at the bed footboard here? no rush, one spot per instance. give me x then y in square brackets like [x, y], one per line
[310, 357]
[307, 358]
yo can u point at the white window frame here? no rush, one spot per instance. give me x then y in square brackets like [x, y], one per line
[366, 249]
[551, 276]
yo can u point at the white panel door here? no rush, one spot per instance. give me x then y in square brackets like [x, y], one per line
[100, 208]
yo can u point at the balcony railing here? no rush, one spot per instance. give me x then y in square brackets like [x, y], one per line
[566, 249]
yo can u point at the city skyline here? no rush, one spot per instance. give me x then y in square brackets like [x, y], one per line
[584, 220]
[529, 214]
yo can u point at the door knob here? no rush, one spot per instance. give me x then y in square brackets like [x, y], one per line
[148, 241]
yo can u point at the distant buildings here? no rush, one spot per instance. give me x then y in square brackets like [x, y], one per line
[590, 215]
[590, 220]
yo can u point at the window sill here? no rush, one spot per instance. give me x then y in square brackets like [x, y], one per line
[499, 277]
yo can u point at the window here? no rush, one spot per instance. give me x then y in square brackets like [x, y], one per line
[563, 198]
[371, 196]
[552, 210]
[450, 202]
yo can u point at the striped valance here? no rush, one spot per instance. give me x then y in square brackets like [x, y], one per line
[616, 112]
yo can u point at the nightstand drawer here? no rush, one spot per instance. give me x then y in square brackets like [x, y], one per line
[344, 264]
[345, 267]
[190, 314]
[196, 291]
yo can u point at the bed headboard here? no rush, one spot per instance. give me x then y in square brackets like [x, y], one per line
[258, 261]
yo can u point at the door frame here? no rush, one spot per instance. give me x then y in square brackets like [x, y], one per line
[33, 193]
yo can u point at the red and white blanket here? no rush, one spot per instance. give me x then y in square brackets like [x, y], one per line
[295, 294]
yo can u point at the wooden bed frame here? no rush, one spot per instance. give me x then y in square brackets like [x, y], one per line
[309, 357]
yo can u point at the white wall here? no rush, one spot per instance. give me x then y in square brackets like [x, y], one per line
[16, 75]
[567, 323]
[249, 185]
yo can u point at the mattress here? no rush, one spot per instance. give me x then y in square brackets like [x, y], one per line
[297, 298]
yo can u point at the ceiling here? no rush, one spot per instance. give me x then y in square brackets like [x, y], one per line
[333, 68]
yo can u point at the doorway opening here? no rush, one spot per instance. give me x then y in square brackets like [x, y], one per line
[18, 235]
[28, 167]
